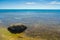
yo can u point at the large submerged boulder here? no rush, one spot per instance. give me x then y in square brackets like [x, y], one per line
[17, 29]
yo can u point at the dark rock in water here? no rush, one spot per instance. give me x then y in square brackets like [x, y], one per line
[17, 29]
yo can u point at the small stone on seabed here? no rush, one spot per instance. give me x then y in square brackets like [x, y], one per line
[17, 29]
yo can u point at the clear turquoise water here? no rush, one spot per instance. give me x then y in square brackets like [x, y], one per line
[30, 17]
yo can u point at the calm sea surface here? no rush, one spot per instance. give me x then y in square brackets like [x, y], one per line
[30, 17]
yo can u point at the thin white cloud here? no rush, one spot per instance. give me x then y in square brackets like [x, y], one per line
[54, 2]
[30, 3]
[17, 18]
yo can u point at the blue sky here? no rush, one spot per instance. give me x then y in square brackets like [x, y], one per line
[29, 4]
